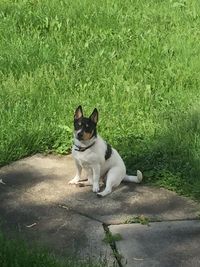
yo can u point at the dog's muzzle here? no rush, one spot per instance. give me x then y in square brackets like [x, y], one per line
[79, 135]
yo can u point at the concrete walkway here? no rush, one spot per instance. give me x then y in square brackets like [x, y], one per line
[37, 203]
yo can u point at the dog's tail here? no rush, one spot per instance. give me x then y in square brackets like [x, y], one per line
[134, 179]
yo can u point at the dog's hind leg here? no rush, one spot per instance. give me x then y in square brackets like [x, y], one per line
[114, 177]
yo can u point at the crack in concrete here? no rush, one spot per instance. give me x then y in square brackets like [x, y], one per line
[150, 220]
[107, 231]
[113, 246]
[159, 220]
[64, 206]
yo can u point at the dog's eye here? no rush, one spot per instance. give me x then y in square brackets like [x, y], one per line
[78, 125]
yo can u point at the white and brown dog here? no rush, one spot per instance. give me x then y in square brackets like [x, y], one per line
[97, 157]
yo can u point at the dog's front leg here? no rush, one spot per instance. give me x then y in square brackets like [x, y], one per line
[77, 177]
[96, 177]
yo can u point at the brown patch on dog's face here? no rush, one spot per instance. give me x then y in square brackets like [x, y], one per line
[87, 136]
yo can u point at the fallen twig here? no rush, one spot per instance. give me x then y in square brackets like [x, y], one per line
[31, 225]
[1, 181]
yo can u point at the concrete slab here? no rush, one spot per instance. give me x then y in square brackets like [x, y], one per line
[58, 229]
[162, 244]
[46, 178]
[36, 200]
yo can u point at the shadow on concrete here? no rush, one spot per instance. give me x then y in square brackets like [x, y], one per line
[30, 209]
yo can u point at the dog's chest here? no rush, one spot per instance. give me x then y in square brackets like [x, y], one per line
[83, 158]
[83, 162]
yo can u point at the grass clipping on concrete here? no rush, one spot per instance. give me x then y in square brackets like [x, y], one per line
[136, 61]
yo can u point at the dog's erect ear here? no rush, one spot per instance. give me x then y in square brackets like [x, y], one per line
[94, 116]
[78, 113]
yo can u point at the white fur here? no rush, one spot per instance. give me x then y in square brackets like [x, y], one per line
[93, 161]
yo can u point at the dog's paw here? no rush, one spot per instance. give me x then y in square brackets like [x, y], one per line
[74, 181]
[95, 188]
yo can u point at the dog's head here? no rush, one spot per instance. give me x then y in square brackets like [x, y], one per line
[85, 128]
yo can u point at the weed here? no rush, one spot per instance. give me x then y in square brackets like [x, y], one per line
[138, 219]
[110, 238]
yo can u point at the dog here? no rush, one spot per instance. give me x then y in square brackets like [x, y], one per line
[97, 157]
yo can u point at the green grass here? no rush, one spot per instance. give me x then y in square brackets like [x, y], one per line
[15, 253]
[136, 61]
[138, 219]
[109, 238]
